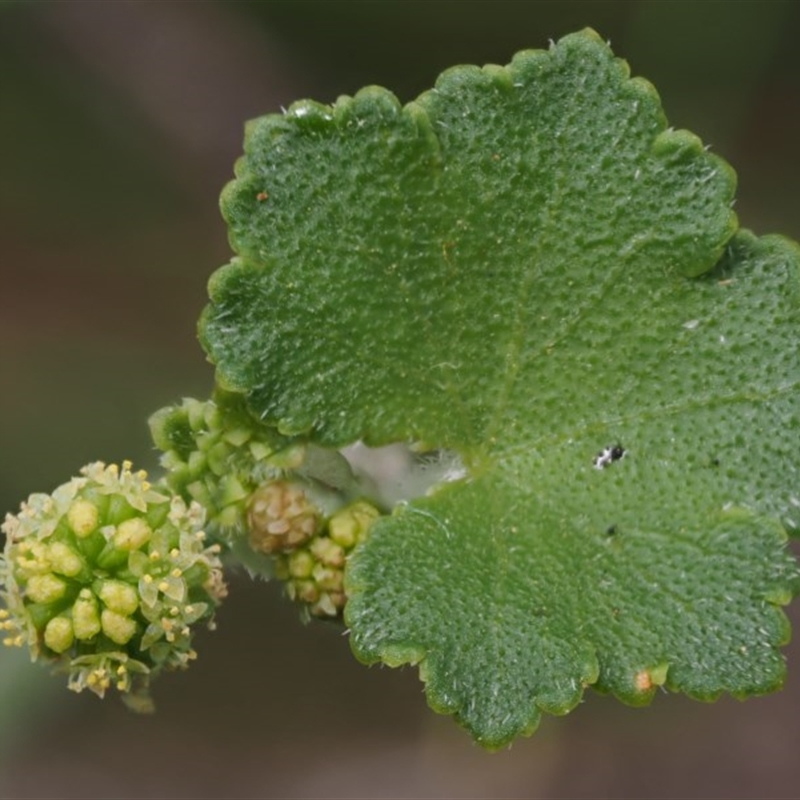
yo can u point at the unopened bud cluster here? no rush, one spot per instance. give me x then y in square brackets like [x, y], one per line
[280, 517]
[215, 453]
[107, 577]
[313, 568]
[287, 497]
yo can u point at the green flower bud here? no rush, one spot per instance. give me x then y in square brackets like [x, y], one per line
[132, 534]
[349, 526]
[327, 552]
[64, 560]
[45, 588]
[59, 634]
[106, 578]
[118, 596]
[117, 627]
[83, 517]
[301, 564]
[329, 579]
[86, 615]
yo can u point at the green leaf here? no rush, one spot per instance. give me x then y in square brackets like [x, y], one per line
[523, 266]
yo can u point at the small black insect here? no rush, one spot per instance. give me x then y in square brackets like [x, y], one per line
[614, 452]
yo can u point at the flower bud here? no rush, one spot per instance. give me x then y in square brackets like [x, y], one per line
[280, 517]
[45, 588]
[119, 628]
[86, 615]
[132, 534]
[64, 560]
[118, 596]
[82, 517]
[59, 634]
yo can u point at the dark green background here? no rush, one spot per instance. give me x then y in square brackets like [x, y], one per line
[119, 124]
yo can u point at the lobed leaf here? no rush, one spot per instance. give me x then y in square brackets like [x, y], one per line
[528, 267]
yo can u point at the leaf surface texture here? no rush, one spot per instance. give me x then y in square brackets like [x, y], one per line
[526, 266]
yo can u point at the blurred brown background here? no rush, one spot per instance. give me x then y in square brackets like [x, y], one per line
[119, 124]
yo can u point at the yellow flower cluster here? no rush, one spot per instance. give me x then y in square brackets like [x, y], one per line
[106, 577]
